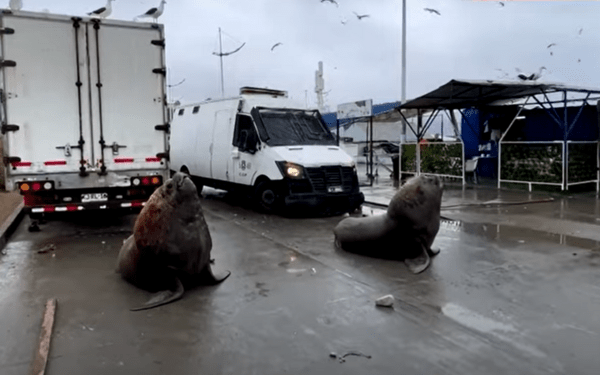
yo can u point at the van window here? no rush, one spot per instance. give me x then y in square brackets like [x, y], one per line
[245, 133]
[196, 109]
[181, 111]
[290, 127]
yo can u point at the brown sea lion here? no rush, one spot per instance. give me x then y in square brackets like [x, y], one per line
[170, 245]
[406, 231]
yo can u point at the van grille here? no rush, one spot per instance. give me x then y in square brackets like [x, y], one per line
[324, 178]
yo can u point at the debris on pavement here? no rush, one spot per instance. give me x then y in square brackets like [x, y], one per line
[385, 301]
[342, 358]
[46, 249]
[41, 356]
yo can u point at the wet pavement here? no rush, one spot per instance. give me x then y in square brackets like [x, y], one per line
[515, 289]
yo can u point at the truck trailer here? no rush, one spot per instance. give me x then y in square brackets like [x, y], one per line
[258, 144]
[84, 120]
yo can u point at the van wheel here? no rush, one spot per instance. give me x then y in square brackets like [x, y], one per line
[266, 197]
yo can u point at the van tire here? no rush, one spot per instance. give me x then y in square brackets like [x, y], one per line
[267, 197]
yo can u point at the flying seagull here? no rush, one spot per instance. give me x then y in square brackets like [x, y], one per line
[580, 31]
[103, 12]
[154, 13]
[359, 16]
[431, 10]
[275, 45]
[533, 76]
[501, 3]
[332, 2]
[15, 5]
[550, 45]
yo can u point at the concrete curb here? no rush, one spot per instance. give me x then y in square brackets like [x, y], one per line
[10, 224]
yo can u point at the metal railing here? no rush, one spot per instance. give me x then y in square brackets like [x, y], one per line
[443, 159]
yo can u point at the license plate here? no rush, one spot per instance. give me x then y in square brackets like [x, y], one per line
[335, 189]
[94, 197]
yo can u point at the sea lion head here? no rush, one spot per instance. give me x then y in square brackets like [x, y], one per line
[179, 189]
[421, 196]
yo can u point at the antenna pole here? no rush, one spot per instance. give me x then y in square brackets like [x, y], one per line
[221, 58]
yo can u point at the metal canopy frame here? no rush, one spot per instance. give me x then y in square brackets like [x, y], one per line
[462, 94]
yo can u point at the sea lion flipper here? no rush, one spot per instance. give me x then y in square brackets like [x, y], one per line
[207, 277]
[419, 263]
[163, 297]
[433, 251]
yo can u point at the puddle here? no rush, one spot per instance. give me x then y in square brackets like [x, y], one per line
[520, 235]
[475, 321]
[501, 330]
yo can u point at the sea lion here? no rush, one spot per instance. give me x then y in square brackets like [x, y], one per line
[406, 231]
[170, 245]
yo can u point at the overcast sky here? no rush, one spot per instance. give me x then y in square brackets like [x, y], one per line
[362, 60]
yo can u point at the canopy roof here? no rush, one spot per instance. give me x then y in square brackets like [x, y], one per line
[458, 94]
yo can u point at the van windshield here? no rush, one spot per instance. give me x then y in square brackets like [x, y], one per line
[288, 127]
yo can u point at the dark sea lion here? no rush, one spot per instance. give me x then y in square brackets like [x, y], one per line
[406, 231]
[170, 245]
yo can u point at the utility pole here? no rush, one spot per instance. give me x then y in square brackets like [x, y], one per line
[319, 86]
[403, 97]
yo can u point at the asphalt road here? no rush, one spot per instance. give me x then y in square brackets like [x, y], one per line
[497, 300]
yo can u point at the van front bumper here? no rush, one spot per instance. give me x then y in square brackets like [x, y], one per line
[326, 202]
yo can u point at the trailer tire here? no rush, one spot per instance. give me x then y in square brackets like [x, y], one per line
[266, 197]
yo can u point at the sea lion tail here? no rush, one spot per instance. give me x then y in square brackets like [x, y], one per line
[207, 277]
[163, 297]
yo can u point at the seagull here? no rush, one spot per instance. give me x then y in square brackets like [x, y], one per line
[344, 21]
[431, 10]
[102, 12]
[580, 31]
[550, 45]
[533, 76]
[154, 12]
[359, 16]
[15, 5]
[332, 2]
[501, 3]
[275, 45]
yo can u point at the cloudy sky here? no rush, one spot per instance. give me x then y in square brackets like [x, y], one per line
[361, 58]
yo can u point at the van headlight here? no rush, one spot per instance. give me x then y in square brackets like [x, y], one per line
[291, 170]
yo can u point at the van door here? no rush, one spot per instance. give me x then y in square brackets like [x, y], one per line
[220, 165]
[245, 141]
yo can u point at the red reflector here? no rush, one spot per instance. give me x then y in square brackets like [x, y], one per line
[152, 160]
[71, 207]
[55, 162]
[49, 208]
[21, 164]
[36, 186]
[136, 204]
[145, 180]
[123, 160]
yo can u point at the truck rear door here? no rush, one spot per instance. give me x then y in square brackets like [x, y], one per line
[127, 99]
[45, 91]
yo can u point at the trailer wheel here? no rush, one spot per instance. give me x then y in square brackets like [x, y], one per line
[266, 197]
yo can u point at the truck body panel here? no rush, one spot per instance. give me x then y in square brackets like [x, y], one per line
[83, 107]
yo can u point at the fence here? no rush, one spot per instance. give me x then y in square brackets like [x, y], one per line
[444, 159]
[549, 163]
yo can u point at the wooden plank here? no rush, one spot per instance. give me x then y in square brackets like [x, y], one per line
[41, 355]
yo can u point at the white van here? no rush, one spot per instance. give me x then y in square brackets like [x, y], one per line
[255, 143]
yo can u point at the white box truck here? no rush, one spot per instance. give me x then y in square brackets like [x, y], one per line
[258, 143]
[83, 111]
